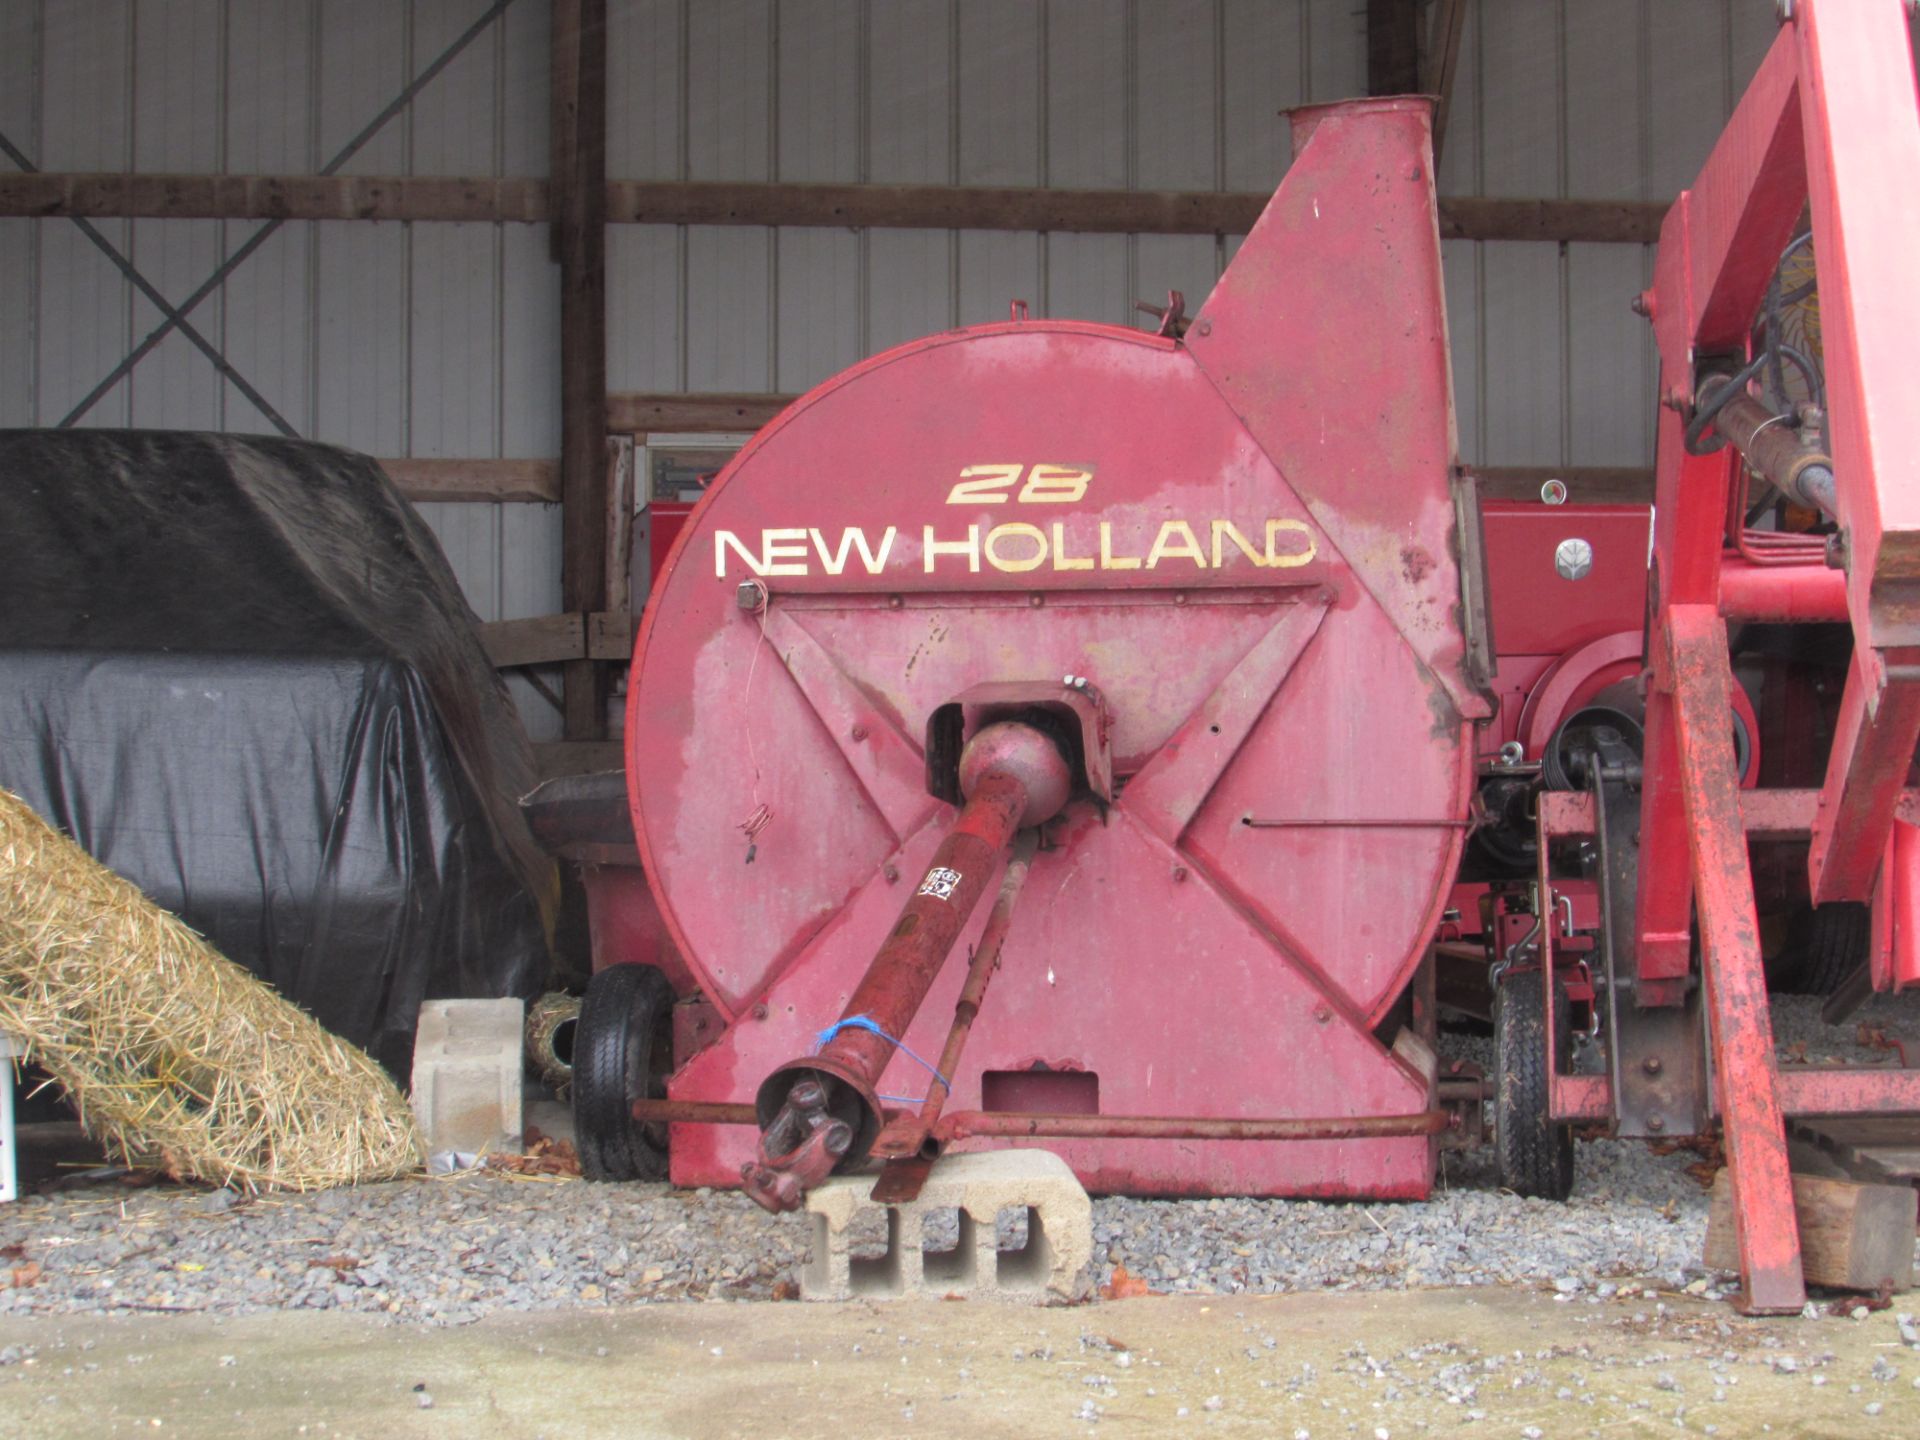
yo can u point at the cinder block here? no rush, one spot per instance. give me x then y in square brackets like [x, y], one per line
[466, 1074]
[1052, 1267]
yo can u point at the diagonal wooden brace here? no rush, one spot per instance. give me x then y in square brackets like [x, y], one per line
[1737, 1012]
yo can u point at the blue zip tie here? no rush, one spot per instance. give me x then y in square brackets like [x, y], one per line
[866, 1023]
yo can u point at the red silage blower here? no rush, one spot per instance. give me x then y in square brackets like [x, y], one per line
[1056, 734]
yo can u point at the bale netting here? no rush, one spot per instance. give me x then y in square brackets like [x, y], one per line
[174, 1055]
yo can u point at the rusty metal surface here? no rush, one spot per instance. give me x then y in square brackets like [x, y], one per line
[969, 1124]
[1228, 562]
[1736, 987]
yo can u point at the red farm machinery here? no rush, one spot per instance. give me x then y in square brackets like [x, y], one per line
[1056, 734]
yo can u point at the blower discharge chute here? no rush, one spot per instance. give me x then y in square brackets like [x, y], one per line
[1161, 640]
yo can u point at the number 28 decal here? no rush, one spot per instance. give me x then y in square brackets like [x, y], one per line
[1046, 485]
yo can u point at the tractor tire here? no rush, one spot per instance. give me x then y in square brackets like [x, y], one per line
[1534, 1154]
[1838, 939]
[622, 1052]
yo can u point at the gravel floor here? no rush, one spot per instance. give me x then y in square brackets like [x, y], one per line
[446, 1251]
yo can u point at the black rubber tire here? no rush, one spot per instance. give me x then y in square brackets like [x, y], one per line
[1535, 1155]
[1838, 939]
[622, 1052]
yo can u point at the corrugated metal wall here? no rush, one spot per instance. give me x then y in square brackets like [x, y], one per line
[441, 340]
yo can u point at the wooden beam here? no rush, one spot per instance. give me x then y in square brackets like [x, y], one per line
[539, 640]
[1439, 61]
[667, 202]
[1852, 1236]
[274, 197]
[534, 481]
[579, 199]
[1393, 47]
[555, 639]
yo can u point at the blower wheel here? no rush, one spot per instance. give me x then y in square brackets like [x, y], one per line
[622, 1052]
[1534, 1154]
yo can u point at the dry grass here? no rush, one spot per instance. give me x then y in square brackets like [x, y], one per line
[173, 1054]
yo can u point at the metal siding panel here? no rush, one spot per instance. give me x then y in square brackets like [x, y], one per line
[453, 340]
[1264, 76]
[83, 323]
[19, 239]
[454, 119]
[1187, 263]
[728, 307]
[1604, 120]
[1520, 102]
[175, 387]
[269, 127]
[728, 55]
[365, 60]
[819, 306]
[997, 267]
[1086, 79]
[177, 96]
[644, 103]
[85, 86]
[360, 344]
[999, 95]
[1460, 265]
[1337, 62]
[910, 131]
[909, 285]
[1173, 111]
[529, 344]
[268, 325]
[269, 85]
[19, 264]
[1688, 100]
[819, 90]
[643, 308]
[1524, 349]
[1087, 278]
[1611, 383]
[526, 94]
[84, 303]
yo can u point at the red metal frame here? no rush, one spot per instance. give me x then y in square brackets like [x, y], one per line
[1830, 117]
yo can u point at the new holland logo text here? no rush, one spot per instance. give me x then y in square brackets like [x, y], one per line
[1015, 547]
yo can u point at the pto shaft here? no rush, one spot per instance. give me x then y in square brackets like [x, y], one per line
[819, 1111]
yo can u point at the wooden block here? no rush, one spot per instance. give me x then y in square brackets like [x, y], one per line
[1852, 1236]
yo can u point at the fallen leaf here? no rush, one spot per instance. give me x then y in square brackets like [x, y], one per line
[335, 1263]
[25, 1275]
[1124, 1286]
[785, 1290]
[13, 1252]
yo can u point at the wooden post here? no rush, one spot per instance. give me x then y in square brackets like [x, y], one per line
[579, 209]
[1852, 1236]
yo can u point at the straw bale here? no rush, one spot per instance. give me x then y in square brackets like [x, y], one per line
[174, 1055]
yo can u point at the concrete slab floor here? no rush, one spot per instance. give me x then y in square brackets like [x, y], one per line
[1385, 1364]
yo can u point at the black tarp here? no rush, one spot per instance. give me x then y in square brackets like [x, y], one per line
[240, 673]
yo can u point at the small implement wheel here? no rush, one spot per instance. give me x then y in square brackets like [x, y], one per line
[1535, 1155]
[622, 1052]
[1839, 937]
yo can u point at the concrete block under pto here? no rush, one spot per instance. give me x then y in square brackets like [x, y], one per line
[1052, 1267]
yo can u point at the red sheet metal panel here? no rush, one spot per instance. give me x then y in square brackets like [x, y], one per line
[1246, 544]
